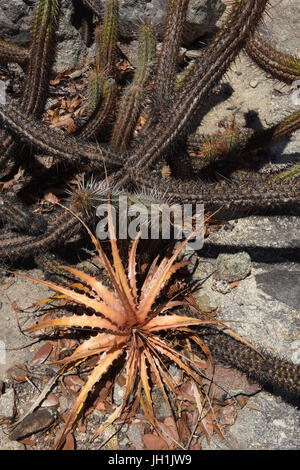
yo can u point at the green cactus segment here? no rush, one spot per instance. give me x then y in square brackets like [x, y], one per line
[107, 46]
[129, 110]
[95, 89]
[41, 55]
[146, 54]
[12, 53]
[134, 94]
[291, 173]
[282, 66]
[102, 86]
[168, 59]
[98, 122]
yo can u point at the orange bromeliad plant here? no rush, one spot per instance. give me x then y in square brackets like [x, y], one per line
[128, 321]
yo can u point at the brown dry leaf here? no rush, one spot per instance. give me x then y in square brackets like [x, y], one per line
[42, 354]
[206, 424]
[73, 383]
[51, 400]
[169, 426]
[234, 284]
[153, 442]
[16, 308]
[65, 121]
[57, 79]
[231, 379]
[82, 426]
[69, 442]
[18, 372]
[186, 392]
[71, 127]
[28, 442]
[196, 447]
[183, 429]
[50, 197]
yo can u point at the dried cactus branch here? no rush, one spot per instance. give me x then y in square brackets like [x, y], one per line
[280, 65]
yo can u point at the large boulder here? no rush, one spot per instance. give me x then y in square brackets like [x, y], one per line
[202, 15]
[16, 18]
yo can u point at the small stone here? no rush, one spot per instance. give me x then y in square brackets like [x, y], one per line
[206, 303]
[232, 268]
[253, 83]
[281, 88]
[119, 393]
[7, 405]
[135, 433]
[6, 444]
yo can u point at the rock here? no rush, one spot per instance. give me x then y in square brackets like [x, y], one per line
[15, 21]
[283, 285]
[7, 405]
[231, 382]
[15, 26]
[202, 16]
[206, 302]
[295, 347]
[221, 286]
[266, 423]
[232, 268]
[6, 444]
[71, 50]
[135, 433]
[119, 393]
[37, 421]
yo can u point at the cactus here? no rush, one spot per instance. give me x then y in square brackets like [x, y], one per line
[106, 54]
[133, 97]
[41, 57]
[10, 52]
[168, 58]
[102, 86]
[282, 66]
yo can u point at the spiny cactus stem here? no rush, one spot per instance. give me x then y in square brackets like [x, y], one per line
[281, 66]
[178, 119]
[134, 94]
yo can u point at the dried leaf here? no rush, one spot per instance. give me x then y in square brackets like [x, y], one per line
[69, 442]
[42, 354]
[153, 442]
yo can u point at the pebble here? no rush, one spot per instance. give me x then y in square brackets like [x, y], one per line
[253, 83]
[119, 393]
[7, 404]
[232, 268]
[206, 303]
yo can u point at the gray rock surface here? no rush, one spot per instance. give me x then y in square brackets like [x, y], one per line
[15, 21]
[202, 15]
[16, 17]
[7, 405]
[15, 26]
[265, 423]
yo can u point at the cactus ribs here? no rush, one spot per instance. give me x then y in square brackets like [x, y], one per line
[173, 106]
